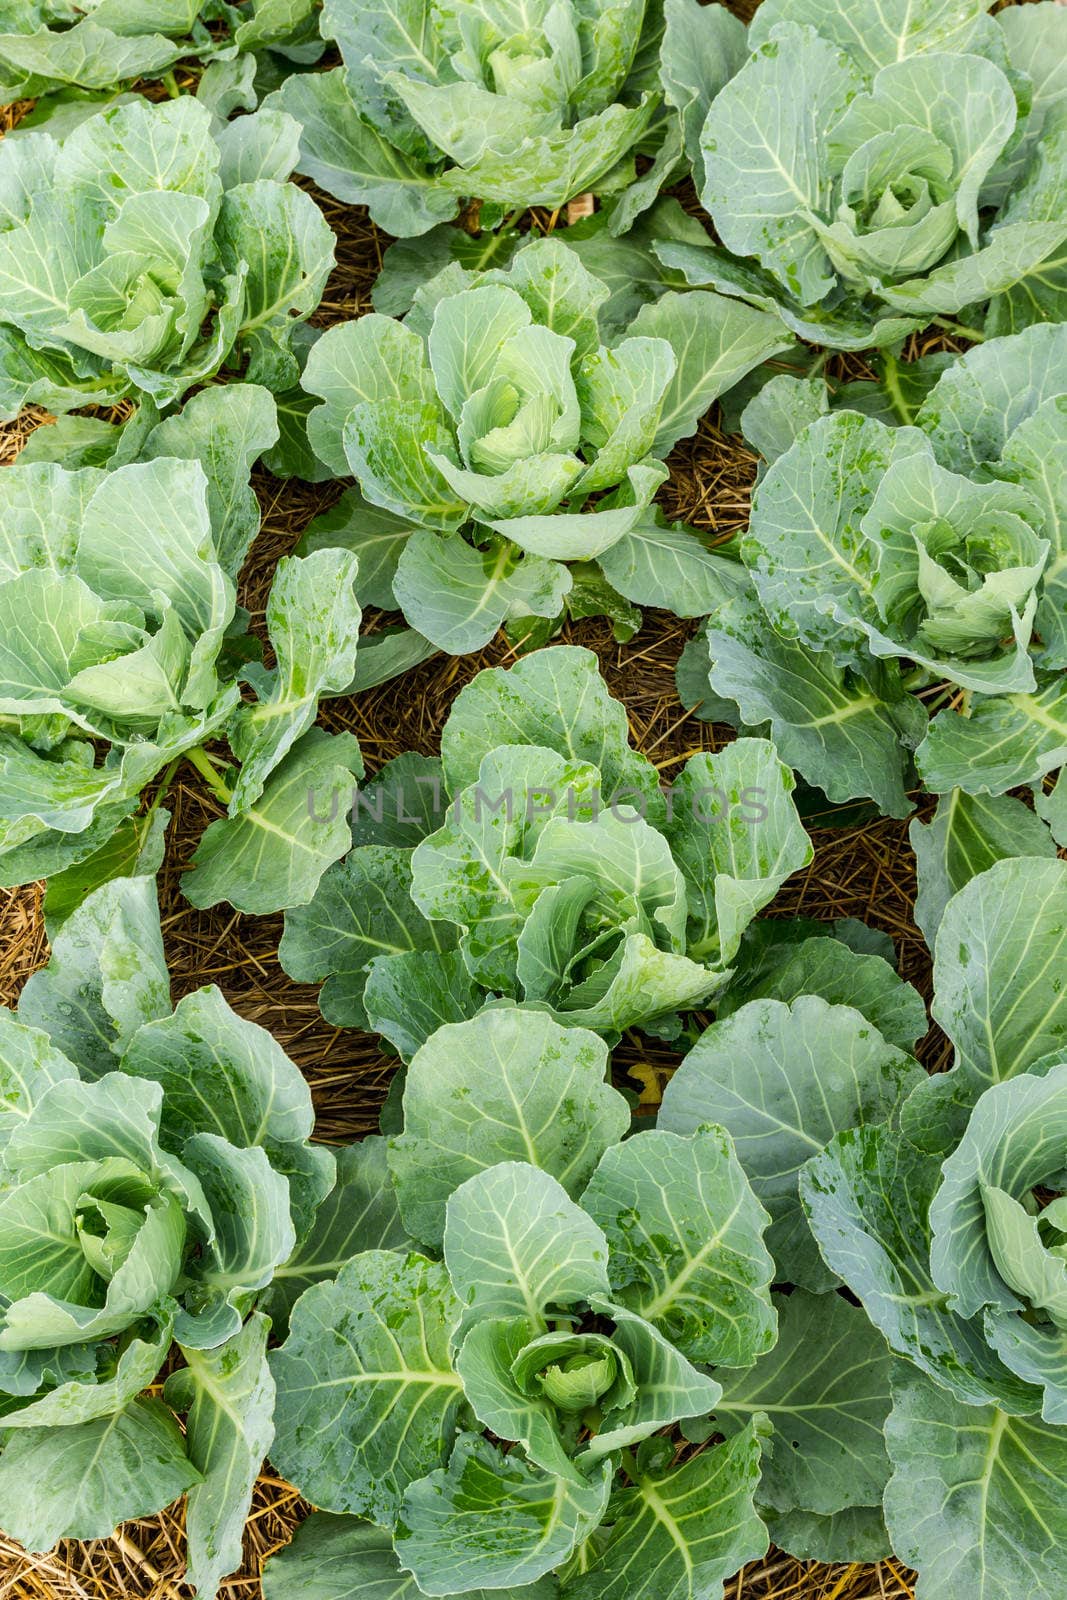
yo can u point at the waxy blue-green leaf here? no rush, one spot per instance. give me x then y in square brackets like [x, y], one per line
[987, 1250]
[338, 1558]
[458, 595]
[362, 910]
[228, 1396]
[508, 1085]
[867, 1198]
[767, 160]
[736, 835]
[783, 1080]
[685, 1235]
[977, 1497]
[273, 855]
[701, 50]
[408, 997]
[367, 1399]
[313, 619]
[669, 566]
[516, 1244]
[224, 1075]
[107, 975]
[965, 836]
[716, 342]
[896, 30]
[359, 1213]
[87, 1479]
[832, 726]
[1010, 919]
[555, 698]
[677, 1533]
[827, 967]
[826, 1388]
[491, 1519]
[29, 1065]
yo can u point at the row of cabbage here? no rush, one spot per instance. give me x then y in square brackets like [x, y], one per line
[525, 1341]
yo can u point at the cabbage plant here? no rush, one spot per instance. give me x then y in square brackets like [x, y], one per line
[870, 171]
[149, 249]
[59, 45]
[497, 439]
[124, 653]
[947, 1222]
[480, 1402]
[156, 1174]
[540, 861]
[472, 100]
[898, 568]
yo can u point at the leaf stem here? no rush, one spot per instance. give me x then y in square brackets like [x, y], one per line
[959, 330]
[895, 389]
[170, 83]
[200, 759]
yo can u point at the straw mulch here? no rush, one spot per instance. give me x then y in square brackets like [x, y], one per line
[866, 871]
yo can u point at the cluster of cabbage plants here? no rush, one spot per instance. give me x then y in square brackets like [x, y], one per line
[668, 1248]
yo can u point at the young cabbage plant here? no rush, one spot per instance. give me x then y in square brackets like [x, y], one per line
[510, 457]
[156, 1173]
[58, 47]
[502, 1413]
[899, 570]
[440, 103]
[947, 1222]
[124, 653]
[149, 249]
[872, 169]
[539, 860]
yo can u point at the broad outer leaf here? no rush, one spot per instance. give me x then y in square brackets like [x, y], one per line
[82, 1482]
[716, 341]
[228, 1398]
[507, 1085]
[367, 1399]
[981, 399]
[29, 1065]
[858, 1534]
[225, 428]
[834, 728]
[766, 157]
[359, 1213]
[135, 849]
[338, 1558]
[867, 1197]
[896, 30]
[1011, 919]
[978, 1499]
[827, 967]
[555, 698]
[967, 834]
[362, 910]
[669, 567]
[458, 596]
[515, 1243]
[1007, 741]
[491, 1519]
[107, 975]
[677, 1535]
[782, 1080]
[222, 1074]
[825, 1387]
[685, 1234]
[272, 856]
